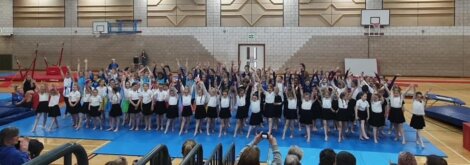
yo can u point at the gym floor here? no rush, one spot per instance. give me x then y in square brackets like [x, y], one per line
[446, 137]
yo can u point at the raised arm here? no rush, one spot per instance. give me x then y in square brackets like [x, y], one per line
[406, 91]
[293, 91]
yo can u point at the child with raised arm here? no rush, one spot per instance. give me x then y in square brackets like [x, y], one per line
[342, 116]
[116, 111]
[225, 112]
[172, 113]
[242, 102]
[146, 106]
[396, 116]
[94, 107]
[42, 108]
[160, 95]
[290, 113]
[54, 110]
[201, 100]
[256, 117]
[135, 98]
[362, 114]
[74, 105]
[212, 109]
[187, 111]
[377, 118]
[305, 113]
[417, 120]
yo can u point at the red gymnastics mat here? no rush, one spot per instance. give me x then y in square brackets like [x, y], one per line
[38, 76]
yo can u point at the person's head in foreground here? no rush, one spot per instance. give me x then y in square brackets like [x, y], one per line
[406, 158]
[292, 160]
[13, 149]
[296, 151]
[188, 145]
[345, 158]
[435, 160]
[250, 155]
[327, 157]
[9, 136]
[119, 161]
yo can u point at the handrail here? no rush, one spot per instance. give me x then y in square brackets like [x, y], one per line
[194, 157]
[229, 158]
[158, 156]
[65, 151]
[216, 156]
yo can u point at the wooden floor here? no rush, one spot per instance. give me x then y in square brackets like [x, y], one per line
[445, 137]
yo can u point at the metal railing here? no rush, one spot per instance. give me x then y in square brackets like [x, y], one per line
[229, 158]
[194, 157]
[65, 151]
[216, 156]
[158, 156]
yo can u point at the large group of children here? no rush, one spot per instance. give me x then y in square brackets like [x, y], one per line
[322, 100]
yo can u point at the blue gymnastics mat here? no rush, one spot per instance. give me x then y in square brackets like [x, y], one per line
[5, 96]
[452, 114]
[138, 143]
[4, 74]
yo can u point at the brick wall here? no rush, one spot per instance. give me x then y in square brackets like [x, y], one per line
[100, 51]
[327, 52]
[406, 55]
[446, 48]
[420, 55]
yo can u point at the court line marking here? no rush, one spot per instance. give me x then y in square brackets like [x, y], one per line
[448, 147]
[437, 139]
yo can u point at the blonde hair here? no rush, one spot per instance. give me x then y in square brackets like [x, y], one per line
[295, 150]
[188, 145]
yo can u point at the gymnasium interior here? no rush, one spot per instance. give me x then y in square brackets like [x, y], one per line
[418, 44]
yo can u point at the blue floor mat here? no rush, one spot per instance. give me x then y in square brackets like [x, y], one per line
[453, 114]
[5, 74]
[139, 143]
[5, 96]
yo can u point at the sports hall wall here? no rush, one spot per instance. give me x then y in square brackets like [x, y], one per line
[426, 38]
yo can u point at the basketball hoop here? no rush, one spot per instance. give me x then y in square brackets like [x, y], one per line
[375, 29]
[376, 25]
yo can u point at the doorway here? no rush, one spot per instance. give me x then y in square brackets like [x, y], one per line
[251, 55]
